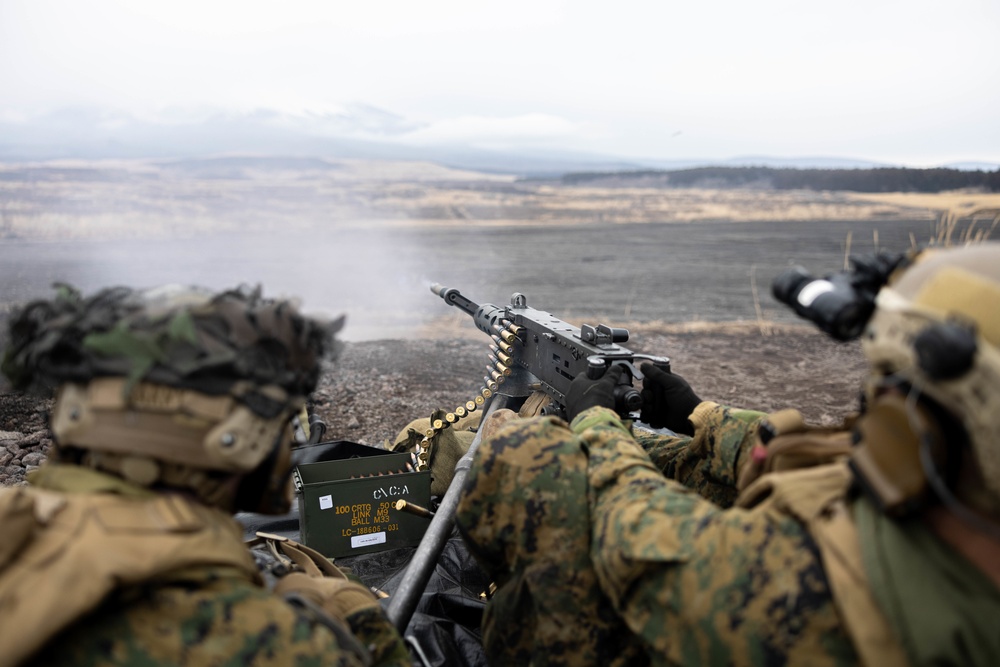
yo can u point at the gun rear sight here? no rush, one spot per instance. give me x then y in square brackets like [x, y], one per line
[603, 334]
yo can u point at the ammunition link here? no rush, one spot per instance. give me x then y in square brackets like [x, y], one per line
[501, 360]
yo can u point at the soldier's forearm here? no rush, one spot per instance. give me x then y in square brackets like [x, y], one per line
[635, 509]
[710, 461]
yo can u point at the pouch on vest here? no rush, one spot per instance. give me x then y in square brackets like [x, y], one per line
[17, 516]
[786, 442]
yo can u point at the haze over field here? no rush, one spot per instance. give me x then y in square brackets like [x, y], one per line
[518, 87]
[369, 237]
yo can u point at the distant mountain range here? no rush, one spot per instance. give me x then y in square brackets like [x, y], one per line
[359, 131]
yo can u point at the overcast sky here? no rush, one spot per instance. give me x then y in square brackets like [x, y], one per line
[913, 82]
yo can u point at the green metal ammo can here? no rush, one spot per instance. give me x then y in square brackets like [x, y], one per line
[347, 507]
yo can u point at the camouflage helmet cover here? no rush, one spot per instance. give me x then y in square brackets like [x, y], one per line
[955, 285]
[185, 337]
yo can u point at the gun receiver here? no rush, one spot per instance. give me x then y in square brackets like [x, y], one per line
[552, 351]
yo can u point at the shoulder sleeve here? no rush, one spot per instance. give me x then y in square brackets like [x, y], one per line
[703, 585]
[216, 615]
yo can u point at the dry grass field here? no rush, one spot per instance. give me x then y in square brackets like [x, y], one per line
[137, 199]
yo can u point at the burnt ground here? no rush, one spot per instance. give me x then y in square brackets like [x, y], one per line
[376, 387]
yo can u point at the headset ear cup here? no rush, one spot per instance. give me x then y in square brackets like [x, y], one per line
[945, 350]
[886, 461]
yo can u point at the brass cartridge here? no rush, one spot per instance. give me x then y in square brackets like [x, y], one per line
[410, 508]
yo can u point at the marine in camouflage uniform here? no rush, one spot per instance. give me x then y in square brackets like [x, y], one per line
[616, 563]
[173, 411]
[614, 546]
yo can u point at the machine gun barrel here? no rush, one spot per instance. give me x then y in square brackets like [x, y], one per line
[486, 316]
[453, 297]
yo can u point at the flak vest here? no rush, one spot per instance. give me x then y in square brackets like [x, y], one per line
[62, 554]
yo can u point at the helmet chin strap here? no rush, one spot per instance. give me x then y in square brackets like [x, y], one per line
[972, 519]
[264, 489]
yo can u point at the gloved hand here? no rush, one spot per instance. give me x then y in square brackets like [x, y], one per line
[667, 400]
[586, 393]
[338, 597]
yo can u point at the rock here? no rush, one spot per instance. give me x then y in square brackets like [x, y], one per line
[32, 459]
[35, 438]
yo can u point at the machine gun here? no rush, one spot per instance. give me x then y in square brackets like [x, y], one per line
[551, 351]
[532, 350]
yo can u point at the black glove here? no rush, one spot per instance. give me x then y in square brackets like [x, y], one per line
[667, 400]
[586, 393]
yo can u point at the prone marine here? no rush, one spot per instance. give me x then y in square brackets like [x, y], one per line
[173, 410]
[754, 539]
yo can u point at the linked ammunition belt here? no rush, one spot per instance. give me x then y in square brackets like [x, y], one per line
[497, 371]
